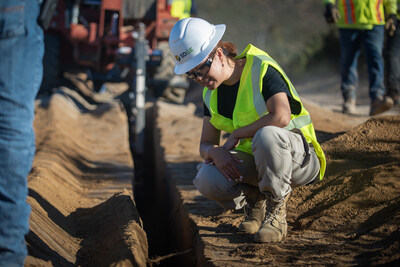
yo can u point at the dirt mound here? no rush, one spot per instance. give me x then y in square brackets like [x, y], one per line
[357, 205]
[80, 186]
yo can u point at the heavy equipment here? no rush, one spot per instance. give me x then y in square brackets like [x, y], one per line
[100, 34]
[114, 40]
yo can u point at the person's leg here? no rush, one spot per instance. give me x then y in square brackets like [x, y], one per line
[373, 46]
[279, 155]
[213, 185]
[392, 65]
[236, 194]
[350, 42]
[21, 52]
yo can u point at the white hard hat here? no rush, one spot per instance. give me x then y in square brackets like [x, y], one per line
[191, 41]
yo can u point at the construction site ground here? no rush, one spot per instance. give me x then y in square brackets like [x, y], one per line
[85, 212]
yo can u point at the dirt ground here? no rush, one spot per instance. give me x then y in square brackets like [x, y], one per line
[84, 213]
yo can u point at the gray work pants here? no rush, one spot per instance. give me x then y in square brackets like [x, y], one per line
[275, 167]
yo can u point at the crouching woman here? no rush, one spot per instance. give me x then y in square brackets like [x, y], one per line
[272, 145]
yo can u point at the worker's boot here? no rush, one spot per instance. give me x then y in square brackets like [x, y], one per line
[254, 215]
[380, 105]
[274, 226]
[395, 96]
[349, 106]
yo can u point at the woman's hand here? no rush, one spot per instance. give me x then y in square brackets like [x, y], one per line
[225, 163]
[231, 143]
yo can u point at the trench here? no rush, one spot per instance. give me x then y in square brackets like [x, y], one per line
[169, 234]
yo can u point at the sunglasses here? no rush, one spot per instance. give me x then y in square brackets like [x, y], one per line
[204, 68]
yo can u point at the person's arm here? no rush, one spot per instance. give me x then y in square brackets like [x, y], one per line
[279, 115]
[390, 7]
[213, 153]
[331, 12]
[391, 17]
[210, 137]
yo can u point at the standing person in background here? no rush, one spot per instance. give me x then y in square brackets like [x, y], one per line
[392, 56]
[361, 22]
[21, 53]
[272, 144]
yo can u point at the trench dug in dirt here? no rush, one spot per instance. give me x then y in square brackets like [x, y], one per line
[84, 212]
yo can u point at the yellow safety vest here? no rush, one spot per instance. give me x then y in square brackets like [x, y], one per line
[181, 8]
[250, 104]
[363, 14]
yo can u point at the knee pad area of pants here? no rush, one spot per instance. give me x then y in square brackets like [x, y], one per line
[270, 136]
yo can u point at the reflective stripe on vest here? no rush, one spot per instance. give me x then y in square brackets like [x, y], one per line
[378, 11]
[349, 12]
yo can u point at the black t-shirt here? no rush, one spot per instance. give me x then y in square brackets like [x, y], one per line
[273, 83]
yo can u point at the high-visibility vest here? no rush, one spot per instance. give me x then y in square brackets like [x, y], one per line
[181, 8]
[250, 105]
[363, 14]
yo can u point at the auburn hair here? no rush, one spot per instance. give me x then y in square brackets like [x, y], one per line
[228, 48]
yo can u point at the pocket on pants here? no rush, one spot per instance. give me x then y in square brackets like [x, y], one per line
[12, 18]
[297, 151]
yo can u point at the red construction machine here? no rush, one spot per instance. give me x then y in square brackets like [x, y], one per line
[101, 35]
[114, 40]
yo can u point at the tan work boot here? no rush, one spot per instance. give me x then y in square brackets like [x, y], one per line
[380, 105]
[274, 226]
[254, 216]
[349, 106]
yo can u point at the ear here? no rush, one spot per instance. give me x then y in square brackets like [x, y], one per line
[219, 53]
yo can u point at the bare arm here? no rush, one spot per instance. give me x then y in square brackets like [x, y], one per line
[210, 137]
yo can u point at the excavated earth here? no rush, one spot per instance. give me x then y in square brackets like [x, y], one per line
[84, 211]
[80, 186]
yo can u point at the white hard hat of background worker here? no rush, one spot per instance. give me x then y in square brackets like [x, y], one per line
[191, 41]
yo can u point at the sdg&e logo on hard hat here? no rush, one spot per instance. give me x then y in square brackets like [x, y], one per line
[184, 54]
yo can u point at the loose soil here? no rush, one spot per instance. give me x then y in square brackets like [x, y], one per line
[84, 213]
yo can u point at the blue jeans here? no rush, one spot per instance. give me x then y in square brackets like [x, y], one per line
[21, 53]
[350, 45]
[392, 63]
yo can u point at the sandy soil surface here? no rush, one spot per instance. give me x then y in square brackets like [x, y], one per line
[83, 212]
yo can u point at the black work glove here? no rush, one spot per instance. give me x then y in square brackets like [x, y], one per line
[391, 24]
[331, 13]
